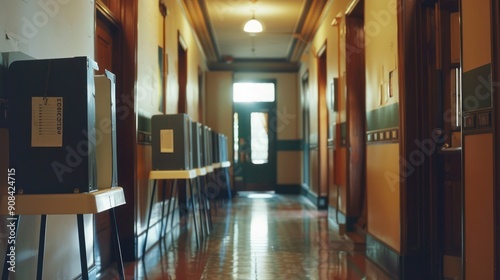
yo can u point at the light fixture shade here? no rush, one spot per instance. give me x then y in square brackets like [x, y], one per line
[253, 26]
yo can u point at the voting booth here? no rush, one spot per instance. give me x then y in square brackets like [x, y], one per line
[171, 142]
[51, 121]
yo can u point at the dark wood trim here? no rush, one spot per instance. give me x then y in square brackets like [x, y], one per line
[288, 189]
[384, 256]
[197, 15]
[322, 121]
[309, 23]
[126, 127]
[495, 36]
[418, 107]
[106, 12]
[356, 113]
[289, 145]
[182, 73]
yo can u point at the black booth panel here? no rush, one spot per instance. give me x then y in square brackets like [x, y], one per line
[171, 142]
[196, 140]
[67, 85]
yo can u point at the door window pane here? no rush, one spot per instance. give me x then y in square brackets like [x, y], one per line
[253, 92]
[260, 138]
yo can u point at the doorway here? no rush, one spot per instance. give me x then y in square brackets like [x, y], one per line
[355, 131]
[450, 153]
[106, 53]
[182, 74]
[305, 131]
[254, 131]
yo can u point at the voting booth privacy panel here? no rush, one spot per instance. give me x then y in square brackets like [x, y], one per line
[171, 142]
[181, 144]
[62, 126]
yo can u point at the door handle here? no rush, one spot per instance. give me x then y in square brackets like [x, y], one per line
[445, 149]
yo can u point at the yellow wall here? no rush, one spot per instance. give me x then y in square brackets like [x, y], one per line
[150, 34]
[476, 41]
[149, 86]
[176, 22]
[479, 213]
[219, 104]
[383, 194]
[478, 152]
[326, 34]
[382, 170]
[382, 159]
[289, 168]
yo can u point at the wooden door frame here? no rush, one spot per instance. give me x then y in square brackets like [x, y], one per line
[126, 124]
[182, 74]
[305, 88]
[322, 194]
[417, 76]
[272, 122]
[355, 110]
[104, 15]
[495, 36]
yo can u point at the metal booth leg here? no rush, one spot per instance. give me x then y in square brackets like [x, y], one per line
[163, 196]
[41, 246]
[176, 195]
[83, 248]
[194, 213]
[149, 218]
[116, 242]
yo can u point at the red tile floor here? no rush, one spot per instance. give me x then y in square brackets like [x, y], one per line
[281, 237]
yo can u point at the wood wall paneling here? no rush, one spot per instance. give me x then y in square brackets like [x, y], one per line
[126, 127]
[417, 71]
[356, 131]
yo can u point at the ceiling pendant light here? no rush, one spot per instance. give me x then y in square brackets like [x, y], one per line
[253, 25]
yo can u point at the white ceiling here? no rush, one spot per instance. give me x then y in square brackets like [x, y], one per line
[279, 18]
[288, 25]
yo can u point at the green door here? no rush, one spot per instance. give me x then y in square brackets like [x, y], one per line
[255, 146]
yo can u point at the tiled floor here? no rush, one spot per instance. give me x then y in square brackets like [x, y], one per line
[281, 237]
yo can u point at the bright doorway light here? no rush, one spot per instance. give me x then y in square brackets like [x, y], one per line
[253, 92]
[260, 195]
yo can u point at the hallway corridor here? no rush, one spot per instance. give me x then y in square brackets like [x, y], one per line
[279, 237]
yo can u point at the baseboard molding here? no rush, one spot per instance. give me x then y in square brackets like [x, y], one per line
[412, 266]
[336, 218]
[312, 197]
[92, 272]
[321, 202]
[288, 189]
[383, 256]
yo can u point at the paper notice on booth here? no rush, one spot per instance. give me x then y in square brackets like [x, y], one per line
[47, 121]
[166, 141]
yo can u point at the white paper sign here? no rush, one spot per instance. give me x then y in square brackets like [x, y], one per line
[47, 121]
[166, 141]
